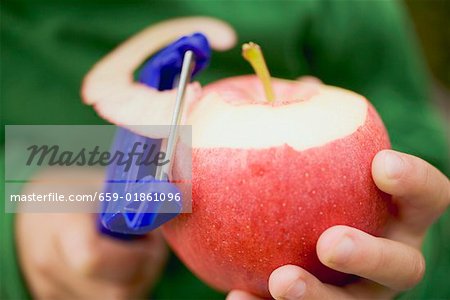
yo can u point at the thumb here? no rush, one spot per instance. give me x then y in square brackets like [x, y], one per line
[421, 191]
[93, 255]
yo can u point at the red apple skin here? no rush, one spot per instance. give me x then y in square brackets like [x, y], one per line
[256, 210]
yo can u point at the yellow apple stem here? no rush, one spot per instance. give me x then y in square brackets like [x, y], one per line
[253, 54]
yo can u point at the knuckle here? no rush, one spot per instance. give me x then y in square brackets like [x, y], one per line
[435, 185]
[379, 261]
[414, 176]
[425, 177]
[444, 193]
[418, 270]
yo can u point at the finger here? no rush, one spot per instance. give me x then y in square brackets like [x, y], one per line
[39, 259]
[384, 261]
[96, 256]
[420, 190]
[292, 283]
[241, 295]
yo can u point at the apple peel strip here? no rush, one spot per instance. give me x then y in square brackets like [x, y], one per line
[110, 88]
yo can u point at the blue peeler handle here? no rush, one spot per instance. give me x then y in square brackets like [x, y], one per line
[160, 72]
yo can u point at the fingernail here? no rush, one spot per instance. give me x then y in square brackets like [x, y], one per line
[342, 251]
[296, 290]
[393, 165]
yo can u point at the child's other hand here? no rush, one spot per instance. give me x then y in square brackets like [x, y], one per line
[63, 256]
[387, 265]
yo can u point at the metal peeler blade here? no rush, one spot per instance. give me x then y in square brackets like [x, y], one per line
[163, 172]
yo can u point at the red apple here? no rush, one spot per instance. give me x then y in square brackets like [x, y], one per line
[268, 179]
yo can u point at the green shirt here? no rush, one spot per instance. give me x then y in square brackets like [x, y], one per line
[365, 46]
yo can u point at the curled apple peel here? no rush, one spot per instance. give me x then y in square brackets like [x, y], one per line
[110, 88]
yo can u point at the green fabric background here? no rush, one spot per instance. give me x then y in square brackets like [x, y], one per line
[368, 47]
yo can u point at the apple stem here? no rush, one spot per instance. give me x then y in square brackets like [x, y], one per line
[253, 54]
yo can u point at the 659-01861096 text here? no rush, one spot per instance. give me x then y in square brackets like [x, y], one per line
[58, 197]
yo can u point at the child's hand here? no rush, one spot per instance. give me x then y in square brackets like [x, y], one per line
[64, 257]
[388, 265]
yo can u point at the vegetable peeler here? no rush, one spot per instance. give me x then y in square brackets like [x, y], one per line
[127, 220]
